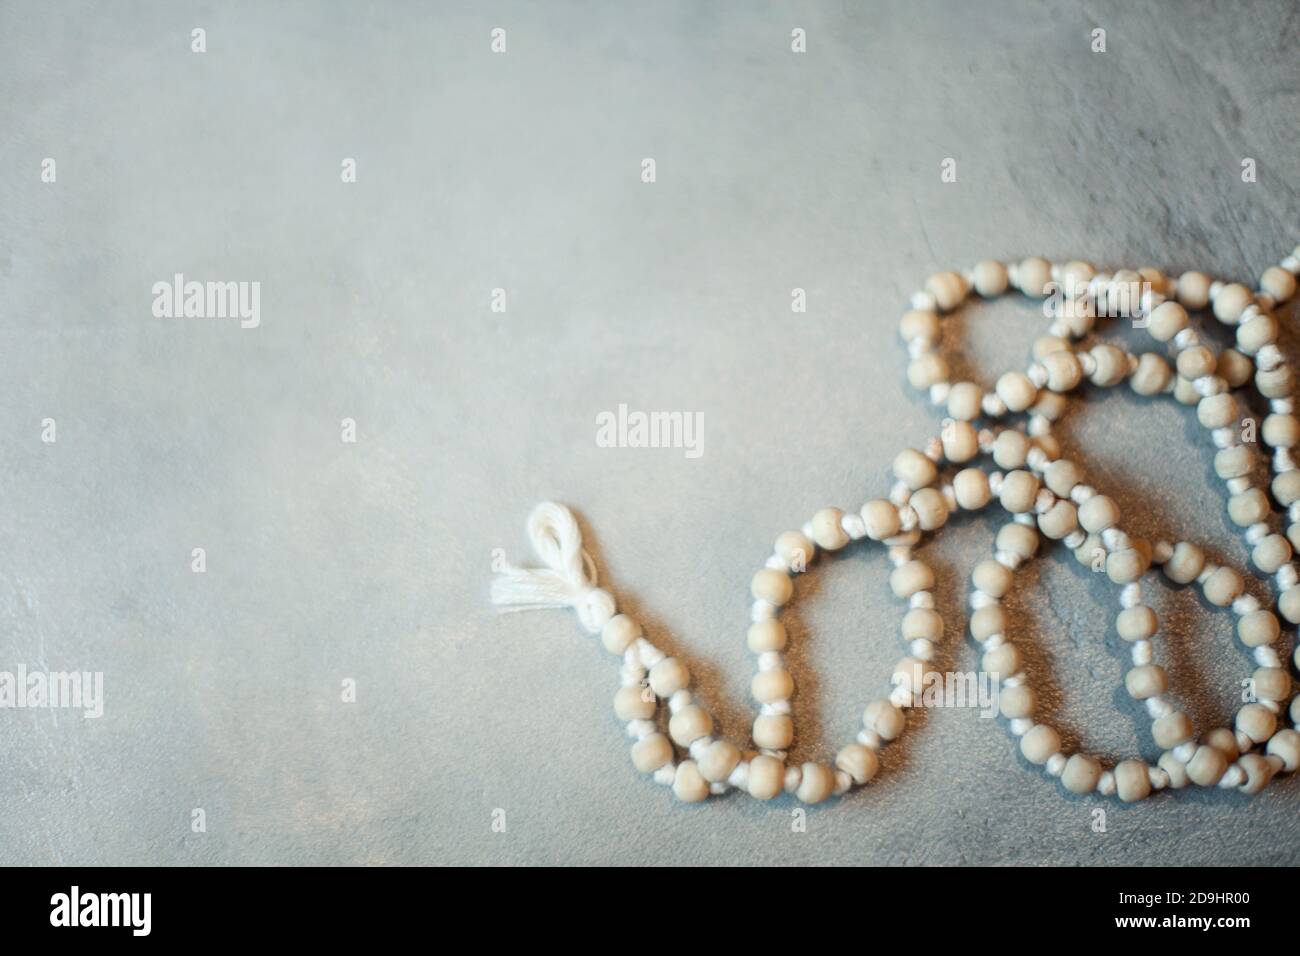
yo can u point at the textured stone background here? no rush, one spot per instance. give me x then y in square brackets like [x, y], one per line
[371, 561]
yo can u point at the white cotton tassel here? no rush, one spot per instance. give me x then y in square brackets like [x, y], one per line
[569, 578]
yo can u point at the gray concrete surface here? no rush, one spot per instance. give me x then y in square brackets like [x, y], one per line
[370, 562]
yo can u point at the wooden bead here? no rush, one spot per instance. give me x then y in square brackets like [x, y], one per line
[1047, 344]
[1278, 283]
[1112, 365]
[1195, 362]
[1125, 567]
[1166, 321]
[1175, 768]
[911, 577]
[774, 587]
[795, 550]
[922, 623]
[651, 753]
[1231, 302]
[1216, 411]
[1232, 462]
[773, 731]
[1063, 371]
[859, 762]
[1206, 766]
[1061, 477]
[669, 676]
[1017, 539]
[1258, 773]
[1098, 513]
[987, 621]
[718, 760]
[1171, 730]
[1288, 604]
[1132, 781]
[1194, 290]
[1270, 553]
[1137, 623]
[919, 324]
[1081, 774]
[1275, 383]
[1016, 702]
[964, 401]
[990, 278]
[960, 441]
[1256, 332]
[1019, 489]
[1258, 628]
[883, 718]
[689, 724]
[1040, 743]
[619, 633]
[634, 702]
[911, 673]
[1011, 449]
[766, 777]
[992, 578]
[1152, 376]
[1286, 487]
[689, 786]
[1234, 368]
[765, 636]
[1003, 660]
[1271, 683]
[1059, 520]
[1148, 680]
[913, 469]
[1223, 740]
[926, 370]
[1256, 721]
[970, 487]
[930, 507]
[1285, 745]
[1033, 275]
[881, 518]
[816, 783]
[826, 530]
[948, 289]
[1186, 564]
[1016, 391]
[1281, 431]
[771, 686]
[1223, 587]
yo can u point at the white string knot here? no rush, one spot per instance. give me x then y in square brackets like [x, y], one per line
[569, 578]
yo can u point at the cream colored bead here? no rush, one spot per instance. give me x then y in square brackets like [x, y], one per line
[634, 702]
[960, 441]
[970, 486]
[1081, 774]
[688, 784]
[1011, 449]
[1047, 344]
[1166, 321]
[1258, 773]
[1206, 766]
[795, 550]
[930, 507]
[774, 587]
[1152, 376]
[1019, 489]
[919, 324]
[1016, 702]
[926, 370]
[1248, 508]
[1270, 553]
[910, 673]
[1063, 371]
[1033, 275]
[1256, 332]
[1132, 781]
[1223, 740]
[1234, 368]
[1061, 476]
[1286, 487]
[773, 731]
[1223, 587]
[826, 530]
[651, 753]
[1194, 290]
[1285, 745]
[1185, 392]
[1098, 513]
[766, 777]
[1258, 628]
[914, 469]
[1216, 411]
[881, 717]
[911, 577]
[1195, 362]
[1017, 539]
[948, 289]
[1155, 279]
[922, 623]
[1278, 283]
[1059, 520]
[1149, 680]
[1126, 566]
[718, 760]
[619, 633]
[1078, 271]
[689, 724]
[765, 636]
[1288, 604]
[1256, 721]
[1186, 563]
[964, 401]
[1231, 302]
[1050, 405]
[1091, 554]
[881, 518]
[992, 578]
[859, 762]
[1112, 365]
[771, 686]
[1003, 660]
[1281, 431]
[669, 676]
[816, 784]
[1278, 383]
[1271, 683]
[1233, 462]
[987, 621]
[1137, 623]
[1171, 730]
[990, 278]
[1040, 743]
[1016, 391]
